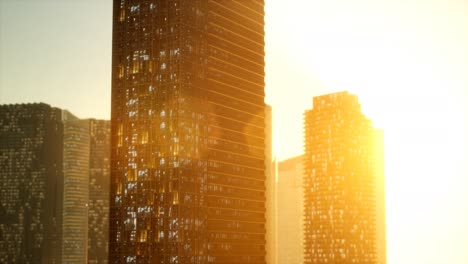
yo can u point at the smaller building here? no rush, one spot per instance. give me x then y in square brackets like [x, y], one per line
[86, 190]
[76, 142]
[98, 205]
[290, 210]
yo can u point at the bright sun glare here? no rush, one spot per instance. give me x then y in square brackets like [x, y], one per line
[408, 63]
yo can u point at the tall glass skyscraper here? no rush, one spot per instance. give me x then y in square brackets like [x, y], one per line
[188, 132]
[342, 184]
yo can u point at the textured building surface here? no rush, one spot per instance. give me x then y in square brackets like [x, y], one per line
[98, 205]
[30, 183]
[188, 155]
[290, 211]
[340, 223]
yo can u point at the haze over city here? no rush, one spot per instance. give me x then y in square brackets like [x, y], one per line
[407, 61]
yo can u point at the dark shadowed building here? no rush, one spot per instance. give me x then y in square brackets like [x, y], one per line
[342, 220]
[188, 132]
[54, 186]
[31, 183]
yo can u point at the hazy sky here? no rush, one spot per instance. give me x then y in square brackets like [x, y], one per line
[406, 59]
[57, 52]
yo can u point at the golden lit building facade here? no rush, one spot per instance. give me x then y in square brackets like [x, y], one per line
[340, 183]
[188, 132]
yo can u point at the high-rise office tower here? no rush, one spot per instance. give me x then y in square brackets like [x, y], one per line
[31, 183]
[340, 216]
[188, 132]
[290, 210]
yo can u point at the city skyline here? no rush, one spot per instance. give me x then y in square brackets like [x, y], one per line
[418, 101]
[76, 142]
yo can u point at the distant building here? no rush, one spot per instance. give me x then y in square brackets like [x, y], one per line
[31, 183]
[290, 211]
[342, 220]
[98, 205]
[86, 190]
[53, 186]
[76, 142]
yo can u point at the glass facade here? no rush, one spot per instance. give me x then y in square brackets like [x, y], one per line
[340, 223]
[188, 132]
[31, 183]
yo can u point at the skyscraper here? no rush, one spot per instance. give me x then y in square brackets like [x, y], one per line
[188, 132]
[290, 210]
[31, 183]
[340, 216]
